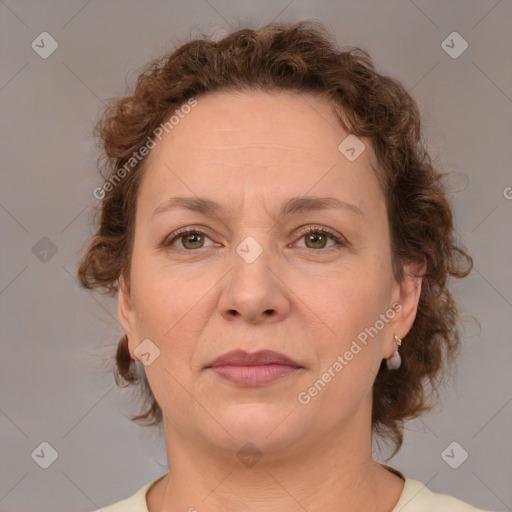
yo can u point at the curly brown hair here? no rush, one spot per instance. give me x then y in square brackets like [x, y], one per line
[299, 57]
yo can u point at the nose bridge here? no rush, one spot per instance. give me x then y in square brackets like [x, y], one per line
[254, 290]
[253, 261]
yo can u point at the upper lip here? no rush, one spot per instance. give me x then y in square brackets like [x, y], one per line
[242, 358]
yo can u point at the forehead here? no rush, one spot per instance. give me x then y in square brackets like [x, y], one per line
[256, 143]
[257, 120]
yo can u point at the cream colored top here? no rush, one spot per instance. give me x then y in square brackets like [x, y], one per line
[415, 497]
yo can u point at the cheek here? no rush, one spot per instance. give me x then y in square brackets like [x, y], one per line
[162, 295]
[349, 297]
[347, 357]
[166, 306]
[346, 306]
[172, 308]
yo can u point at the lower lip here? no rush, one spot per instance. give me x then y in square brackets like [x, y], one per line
[254, 375]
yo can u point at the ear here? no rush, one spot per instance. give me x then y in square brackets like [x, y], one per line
[126, 315]
[407, 294]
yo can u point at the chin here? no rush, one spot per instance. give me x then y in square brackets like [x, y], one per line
[264, 425]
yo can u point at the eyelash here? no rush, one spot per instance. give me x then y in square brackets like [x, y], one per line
[340, 241]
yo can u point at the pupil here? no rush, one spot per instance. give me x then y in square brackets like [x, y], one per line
[190, 238]
[312, 237]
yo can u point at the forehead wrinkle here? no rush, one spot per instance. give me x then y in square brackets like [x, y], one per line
[257, 145]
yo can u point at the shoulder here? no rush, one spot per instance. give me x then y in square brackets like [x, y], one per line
[416, 497]
[134, 503]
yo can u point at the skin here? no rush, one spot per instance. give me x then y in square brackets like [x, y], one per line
[195, 301]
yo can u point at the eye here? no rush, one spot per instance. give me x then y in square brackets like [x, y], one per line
[193, 239]
[190, 239]
[317, 237]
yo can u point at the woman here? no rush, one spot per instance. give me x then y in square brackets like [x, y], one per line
[279, 241]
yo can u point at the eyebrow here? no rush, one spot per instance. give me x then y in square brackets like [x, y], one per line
[294, 205]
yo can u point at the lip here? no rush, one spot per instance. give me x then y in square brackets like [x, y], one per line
[242, 358]
[255, 369]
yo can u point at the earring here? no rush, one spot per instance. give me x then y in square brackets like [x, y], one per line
[394, 362]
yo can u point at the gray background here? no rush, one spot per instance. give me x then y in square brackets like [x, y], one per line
[57, 339]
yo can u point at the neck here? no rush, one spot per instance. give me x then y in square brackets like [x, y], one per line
[335, 474]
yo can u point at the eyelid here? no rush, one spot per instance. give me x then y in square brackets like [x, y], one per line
[317, 227]
[168, 240]
[313, 228]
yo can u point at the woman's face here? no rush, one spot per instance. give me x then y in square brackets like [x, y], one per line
[251, 278]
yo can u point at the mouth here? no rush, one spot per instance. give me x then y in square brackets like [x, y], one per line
[251, 370]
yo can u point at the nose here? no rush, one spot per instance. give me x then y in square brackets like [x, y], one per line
[254, 292]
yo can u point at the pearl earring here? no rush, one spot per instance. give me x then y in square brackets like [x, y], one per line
[394, 362]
